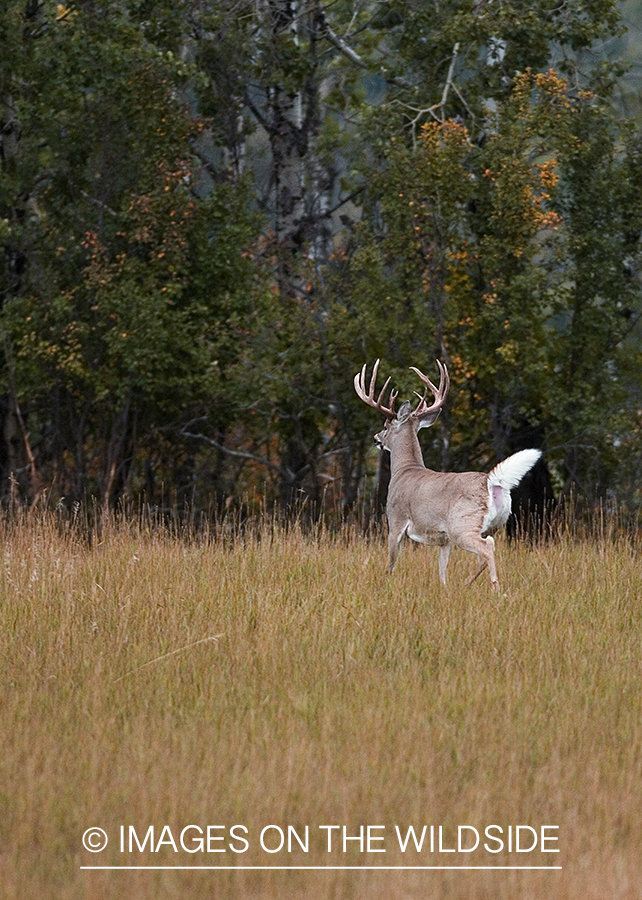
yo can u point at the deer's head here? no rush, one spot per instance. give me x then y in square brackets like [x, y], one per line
[406, 419]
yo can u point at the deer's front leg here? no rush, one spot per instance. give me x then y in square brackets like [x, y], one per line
[396, 531]
[444, 556]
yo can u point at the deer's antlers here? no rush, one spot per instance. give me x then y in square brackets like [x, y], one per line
[360, 388]
[439, 393]
[422, 411]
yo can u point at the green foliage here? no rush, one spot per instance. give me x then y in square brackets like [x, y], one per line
[127, 313]
[427, 183]
[508, 260]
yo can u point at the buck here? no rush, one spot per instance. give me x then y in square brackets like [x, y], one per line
[443, 508]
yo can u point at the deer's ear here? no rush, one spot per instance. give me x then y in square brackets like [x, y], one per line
[430, 419]
[404, 412]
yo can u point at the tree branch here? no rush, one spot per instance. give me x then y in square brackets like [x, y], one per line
[449, 77]
[348, 52]
[287, 474]
[240, 454]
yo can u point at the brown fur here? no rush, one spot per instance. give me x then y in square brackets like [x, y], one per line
[440, 508]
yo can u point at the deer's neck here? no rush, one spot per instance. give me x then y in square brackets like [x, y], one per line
[406, 451]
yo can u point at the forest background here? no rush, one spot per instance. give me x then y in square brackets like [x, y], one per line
[212, 214]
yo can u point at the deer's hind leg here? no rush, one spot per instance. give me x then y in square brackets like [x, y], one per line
[484, 548]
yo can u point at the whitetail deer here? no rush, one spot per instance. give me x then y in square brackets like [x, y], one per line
[442, 508]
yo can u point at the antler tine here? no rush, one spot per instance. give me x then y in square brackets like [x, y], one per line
[368, 397]
[373, 380]
[439, 393]
[383, 390]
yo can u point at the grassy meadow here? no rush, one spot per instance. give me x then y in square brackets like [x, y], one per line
[158, 678]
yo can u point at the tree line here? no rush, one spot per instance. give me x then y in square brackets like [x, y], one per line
[213, 212]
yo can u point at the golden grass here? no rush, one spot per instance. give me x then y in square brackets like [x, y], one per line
[330, 694]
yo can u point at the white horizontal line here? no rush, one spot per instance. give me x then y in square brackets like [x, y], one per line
[316, 868]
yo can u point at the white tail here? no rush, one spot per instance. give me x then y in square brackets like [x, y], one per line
[442, 508]
[506, 475]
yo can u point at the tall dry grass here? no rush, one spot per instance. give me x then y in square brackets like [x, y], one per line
[329, 693]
